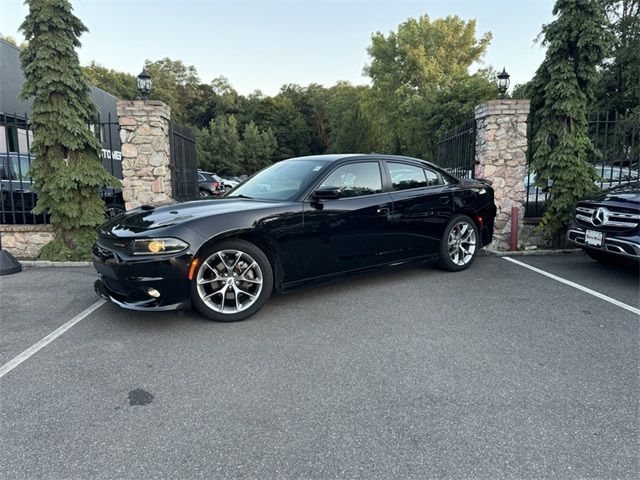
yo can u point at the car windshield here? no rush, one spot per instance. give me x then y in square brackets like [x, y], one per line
[281, 181]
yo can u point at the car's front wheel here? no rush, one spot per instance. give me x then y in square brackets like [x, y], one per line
[234, 280]
[459, 244]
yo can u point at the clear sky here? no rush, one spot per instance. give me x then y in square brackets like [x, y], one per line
[264, 44]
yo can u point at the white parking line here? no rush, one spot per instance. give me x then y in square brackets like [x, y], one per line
[7, 367]
[575, 285]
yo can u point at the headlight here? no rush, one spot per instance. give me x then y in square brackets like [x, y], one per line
[152, 246]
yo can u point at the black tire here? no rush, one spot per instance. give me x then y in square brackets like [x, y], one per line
[264, 272]
[444, 258]
[204, 193]
[112, 210]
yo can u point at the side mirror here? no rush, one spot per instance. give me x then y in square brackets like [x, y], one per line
[327, 193]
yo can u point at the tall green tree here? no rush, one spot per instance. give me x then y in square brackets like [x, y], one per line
[561, 90]
[409, 68]
[67, 172]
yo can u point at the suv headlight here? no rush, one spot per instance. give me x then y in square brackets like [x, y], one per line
[153, 246]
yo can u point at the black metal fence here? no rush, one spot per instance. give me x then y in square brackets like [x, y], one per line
[617, 139]
[457, 150]
[17, 197]
[184, 163]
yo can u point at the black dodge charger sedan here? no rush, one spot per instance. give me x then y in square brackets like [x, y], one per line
[607, 226]
[300, 221]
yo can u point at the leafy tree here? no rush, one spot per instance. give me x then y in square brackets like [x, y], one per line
[219, 146]
[454, 104]
[257, 149]
[561, 90]
[409, 69]
[67, 172]
[348, 123]
[122, 85]
[618, 87]
[174, 83]
[287, 123]
[310, 103]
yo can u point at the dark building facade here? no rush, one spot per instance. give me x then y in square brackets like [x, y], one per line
[14, 113]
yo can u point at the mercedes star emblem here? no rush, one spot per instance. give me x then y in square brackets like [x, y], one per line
[600, 216]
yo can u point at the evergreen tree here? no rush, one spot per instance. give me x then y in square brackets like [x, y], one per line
[561, 89]
[67, 172]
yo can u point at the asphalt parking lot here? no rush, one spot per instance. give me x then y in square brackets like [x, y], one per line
[495, 372]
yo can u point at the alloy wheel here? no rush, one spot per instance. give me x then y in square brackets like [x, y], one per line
[229, 281]
[112, 211]
[461, 244]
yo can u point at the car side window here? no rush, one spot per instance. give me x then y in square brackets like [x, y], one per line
[356, 179]
[432, 177]
[201, 177]
[405, 176]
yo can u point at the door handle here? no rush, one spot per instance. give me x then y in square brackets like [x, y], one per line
[383, 211]
[444, 199]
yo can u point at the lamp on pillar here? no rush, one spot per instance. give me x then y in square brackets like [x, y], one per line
[144, 84]
[503, 82]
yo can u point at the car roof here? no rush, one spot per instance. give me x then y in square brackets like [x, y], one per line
[349, 156]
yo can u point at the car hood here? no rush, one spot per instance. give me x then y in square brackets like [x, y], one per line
[628, 193]
[147, 217]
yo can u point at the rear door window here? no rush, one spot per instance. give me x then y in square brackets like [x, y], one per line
[404, 176]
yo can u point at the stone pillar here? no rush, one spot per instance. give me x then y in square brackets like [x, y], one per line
[501, 156]
[146, 169]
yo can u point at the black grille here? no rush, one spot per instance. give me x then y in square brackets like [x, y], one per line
[116, 244]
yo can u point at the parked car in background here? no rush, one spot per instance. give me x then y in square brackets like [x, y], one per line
[301, 221]
[608, 176]
[607, 226]
[209, 185]
[18, 198]
[230, 182]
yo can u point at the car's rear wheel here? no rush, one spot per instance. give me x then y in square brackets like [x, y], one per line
[112, 210]
[234, 280]
[203, 193]
[459, 244]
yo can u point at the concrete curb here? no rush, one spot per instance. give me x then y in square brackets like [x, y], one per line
[526, 253]
[46, 263]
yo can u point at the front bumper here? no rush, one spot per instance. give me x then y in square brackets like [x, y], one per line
[616, 244]
[127, 282]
